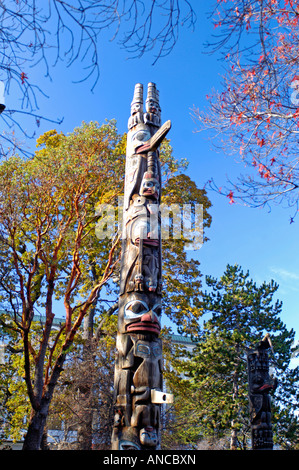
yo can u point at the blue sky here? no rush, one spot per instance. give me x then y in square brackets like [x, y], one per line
[263, 242]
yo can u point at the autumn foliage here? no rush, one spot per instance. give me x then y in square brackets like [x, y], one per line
[257, 112]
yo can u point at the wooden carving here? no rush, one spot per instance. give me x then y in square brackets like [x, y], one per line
[138, 369]
[259, 385]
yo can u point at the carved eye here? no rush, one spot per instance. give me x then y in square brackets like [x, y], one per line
[138, 201]
[135, 308]
[141, 135]
[157, 309]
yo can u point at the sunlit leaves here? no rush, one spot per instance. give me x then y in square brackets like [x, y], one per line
[255, 115]
[211, 380]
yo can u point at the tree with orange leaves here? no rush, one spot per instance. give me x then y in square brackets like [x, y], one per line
[50, 250]
[257, 112]
[49, 246]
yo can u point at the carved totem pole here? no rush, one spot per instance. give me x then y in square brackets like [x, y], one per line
[259, 385]
[138, 368]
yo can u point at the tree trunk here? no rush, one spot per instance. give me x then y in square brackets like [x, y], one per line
[85, 432]
[233, 438]
[44, 443]
[85, 427]
[34, 436]
[38, 418]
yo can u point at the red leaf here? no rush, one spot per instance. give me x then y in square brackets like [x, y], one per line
[231, 197]
[23, 77]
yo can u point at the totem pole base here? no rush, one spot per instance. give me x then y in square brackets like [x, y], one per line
[129, 439]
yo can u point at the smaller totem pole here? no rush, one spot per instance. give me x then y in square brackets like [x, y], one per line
[259, 385]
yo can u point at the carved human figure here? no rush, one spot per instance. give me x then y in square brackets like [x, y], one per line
[259, 385]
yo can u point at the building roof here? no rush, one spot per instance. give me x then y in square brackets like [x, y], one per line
[182, 339]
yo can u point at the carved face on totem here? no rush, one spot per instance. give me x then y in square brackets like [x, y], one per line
[259, 377]
[136, 107]
[149, 436]
[150, 186]
[137, 102]
[152, 106]
[259, 382]
[141, 314]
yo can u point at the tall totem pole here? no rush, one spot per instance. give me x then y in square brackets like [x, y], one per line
[259, 385]
[138, 369]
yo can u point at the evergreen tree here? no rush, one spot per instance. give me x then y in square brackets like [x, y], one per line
[213, 391]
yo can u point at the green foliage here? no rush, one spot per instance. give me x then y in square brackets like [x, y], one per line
[48, 201]
[47, 221]
[213, 391]
[181, 273]
[14, 403]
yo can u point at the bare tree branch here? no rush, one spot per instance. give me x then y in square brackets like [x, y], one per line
[35, 35]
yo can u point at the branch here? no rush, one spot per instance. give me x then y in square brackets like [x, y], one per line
[109, 312]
